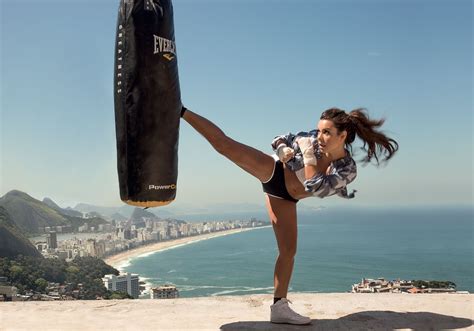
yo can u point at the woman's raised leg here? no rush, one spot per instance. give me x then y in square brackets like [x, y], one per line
[255, 162]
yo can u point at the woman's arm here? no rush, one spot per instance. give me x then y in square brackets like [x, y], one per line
[286, 139]
[309, 156]
[310, 171]
[323, 185]
[282, 146]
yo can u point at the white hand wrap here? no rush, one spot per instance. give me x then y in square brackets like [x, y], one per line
[306, 146]
[284, 153]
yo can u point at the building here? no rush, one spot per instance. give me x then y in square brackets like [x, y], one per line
[52, 240]
[41, 246]
[164, 292]
[128, 283]
[90, 247]
[124, 233]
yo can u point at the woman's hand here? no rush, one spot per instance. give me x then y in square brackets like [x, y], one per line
[285, 153]
[306, 146]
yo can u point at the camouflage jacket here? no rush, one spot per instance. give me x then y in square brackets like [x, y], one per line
[342, 171]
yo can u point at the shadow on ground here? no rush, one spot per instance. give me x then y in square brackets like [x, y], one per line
[366, 320]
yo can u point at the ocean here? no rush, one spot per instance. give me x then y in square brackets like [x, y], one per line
[336, 248]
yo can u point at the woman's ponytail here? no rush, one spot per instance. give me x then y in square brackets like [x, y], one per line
[376, 143]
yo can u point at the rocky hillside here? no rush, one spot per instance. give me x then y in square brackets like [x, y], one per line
[65, 211]
[29, 214]
[12, 241]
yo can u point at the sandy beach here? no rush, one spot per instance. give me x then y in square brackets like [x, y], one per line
[122, 258]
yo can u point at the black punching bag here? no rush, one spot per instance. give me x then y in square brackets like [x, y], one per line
[147, 102]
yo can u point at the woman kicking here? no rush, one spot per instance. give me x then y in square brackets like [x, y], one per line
[317, 163]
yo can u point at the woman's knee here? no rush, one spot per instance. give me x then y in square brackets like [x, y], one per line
[287, 252]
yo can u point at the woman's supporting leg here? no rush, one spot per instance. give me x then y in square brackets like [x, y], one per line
[284, 220]
[255, 162]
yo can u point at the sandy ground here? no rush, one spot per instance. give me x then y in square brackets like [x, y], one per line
[333, 311]
[118, 259]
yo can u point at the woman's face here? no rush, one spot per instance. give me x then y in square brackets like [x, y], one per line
[329, 139]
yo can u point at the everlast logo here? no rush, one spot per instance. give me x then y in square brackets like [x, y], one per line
[162, 187]
[163, 45]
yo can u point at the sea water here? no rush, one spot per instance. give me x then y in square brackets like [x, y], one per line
[336, 248]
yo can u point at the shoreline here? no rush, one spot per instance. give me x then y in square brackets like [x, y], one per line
[120, 260]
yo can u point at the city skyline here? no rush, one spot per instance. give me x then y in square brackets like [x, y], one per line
[256, 69]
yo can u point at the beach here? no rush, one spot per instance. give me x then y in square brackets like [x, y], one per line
[119, 260]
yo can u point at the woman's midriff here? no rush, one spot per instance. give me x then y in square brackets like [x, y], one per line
[294, 186]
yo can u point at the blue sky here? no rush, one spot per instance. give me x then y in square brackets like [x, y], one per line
[255, 68]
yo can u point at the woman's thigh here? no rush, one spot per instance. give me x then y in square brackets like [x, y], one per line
[283, 216]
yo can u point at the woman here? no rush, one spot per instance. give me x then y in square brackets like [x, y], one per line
[316, 163]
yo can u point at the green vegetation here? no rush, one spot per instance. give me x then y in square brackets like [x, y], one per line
[31, 216]
[433, 284]
[12, 240]
[80, 278]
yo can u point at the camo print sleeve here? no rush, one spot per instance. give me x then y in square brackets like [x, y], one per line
[289, 140]
[342, 173]
[286, 139]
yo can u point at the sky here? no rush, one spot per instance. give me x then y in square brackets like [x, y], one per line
[255, 68]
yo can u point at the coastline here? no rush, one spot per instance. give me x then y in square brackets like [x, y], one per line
[120, 260]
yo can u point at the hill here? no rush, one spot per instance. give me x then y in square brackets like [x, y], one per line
[64, 211]
[29, 214]
[124, 211]
[139, 213]
[12, 241]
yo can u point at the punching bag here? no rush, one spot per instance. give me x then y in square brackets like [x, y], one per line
[147, 102]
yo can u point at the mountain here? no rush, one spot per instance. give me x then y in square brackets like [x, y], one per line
[65, 211]
[140, 213]
[93, 214]
[118, 217]
[51, 203]
[29, 214]
[12, 241]
[125, 211]
[196, 212]
[32, 215]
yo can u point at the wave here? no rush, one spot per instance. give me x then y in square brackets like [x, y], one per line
[143, 255]
[251, 289]
[224, 289]
[123, 264]
[198, 287]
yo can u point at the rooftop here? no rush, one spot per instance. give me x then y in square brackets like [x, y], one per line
[329, 311]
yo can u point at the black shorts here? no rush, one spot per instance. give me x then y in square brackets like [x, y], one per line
[276, 185]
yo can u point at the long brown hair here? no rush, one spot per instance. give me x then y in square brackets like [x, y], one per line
[357, 122]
